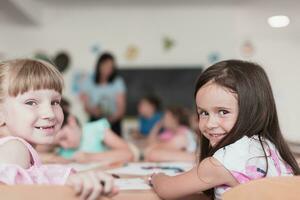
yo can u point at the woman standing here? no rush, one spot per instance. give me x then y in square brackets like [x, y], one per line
[104, 94]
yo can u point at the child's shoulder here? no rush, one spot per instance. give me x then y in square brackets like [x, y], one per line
[241, 150]
[100, 123]
[14, 151]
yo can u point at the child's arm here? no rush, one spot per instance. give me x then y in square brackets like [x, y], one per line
[15, 152]
[209, 174]
[120, 110]
[48, 158]
[92, 110]
[178, 142]
[169, 151]
[153, 136]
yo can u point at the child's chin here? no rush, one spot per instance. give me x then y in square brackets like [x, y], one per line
[47, 140]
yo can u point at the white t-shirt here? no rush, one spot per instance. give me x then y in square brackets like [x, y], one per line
[245, 160]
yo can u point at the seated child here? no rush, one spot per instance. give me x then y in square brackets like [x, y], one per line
[176, 142]
[95, 141]
[30, 111]
[240, 134]
[149, 114]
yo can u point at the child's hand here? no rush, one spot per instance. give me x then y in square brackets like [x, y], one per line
[151, 179]
[91, 185]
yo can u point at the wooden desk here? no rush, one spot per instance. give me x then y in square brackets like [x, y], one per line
[37, 192]
[50, 192]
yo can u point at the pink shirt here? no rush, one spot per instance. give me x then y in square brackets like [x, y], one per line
[168, 135]
[36, 174]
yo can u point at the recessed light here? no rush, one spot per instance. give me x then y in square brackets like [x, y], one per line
[278, 21]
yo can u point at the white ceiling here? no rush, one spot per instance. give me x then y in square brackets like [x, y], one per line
[24, 11]
[30, 12]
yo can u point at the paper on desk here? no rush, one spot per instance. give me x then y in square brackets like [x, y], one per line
[131, 184]
[139, 168]
[87, 166]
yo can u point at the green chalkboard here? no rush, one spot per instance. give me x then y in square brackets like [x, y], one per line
[174, 86]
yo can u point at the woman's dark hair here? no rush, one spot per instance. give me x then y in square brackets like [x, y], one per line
[103, 58]
[180, 113]
[153, 100]
[257, 110]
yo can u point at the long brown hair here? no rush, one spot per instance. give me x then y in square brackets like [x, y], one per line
[257, 110]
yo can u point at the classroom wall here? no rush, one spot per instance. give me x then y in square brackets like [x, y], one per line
[198, 30]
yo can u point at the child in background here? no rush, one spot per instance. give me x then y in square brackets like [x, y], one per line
[95, 141]
[30, 95]
[240, 135]
[100, 143]
[149, 114]
[68, 137]
[176, 142]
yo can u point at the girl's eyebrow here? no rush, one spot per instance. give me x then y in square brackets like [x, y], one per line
[222, 107]
[216, 108]
[199, 108]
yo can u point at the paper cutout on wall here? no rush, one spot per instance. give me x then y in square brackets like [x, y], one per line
[247, 49]
[78, 80]
[168, 43]
[213, 57]
[96, 49]
[62, 61]
[42, 55]
[132, 52]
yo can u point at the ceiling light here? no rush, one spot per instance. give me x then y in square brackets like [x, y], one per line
[278, 21]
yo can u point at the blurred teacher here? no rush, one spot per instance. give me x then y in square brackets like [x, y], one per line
[105, 94]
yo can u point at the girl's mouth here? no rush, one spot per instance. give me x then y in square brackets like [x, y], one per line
[44, 127]
[217, 135]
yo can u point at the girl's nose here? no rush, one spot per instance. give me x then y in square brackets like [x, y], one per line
[212, 122]
[47, 112]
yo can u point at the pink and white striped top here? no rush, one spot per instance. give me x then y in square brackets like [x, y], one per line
[36, 174]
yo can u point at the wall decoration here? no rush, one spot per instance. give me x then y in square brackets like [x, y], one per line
[95, 48]
[132, 52]
[42, 55]
[247, 49]
[62, 61]
[168, 43]
[213, 57]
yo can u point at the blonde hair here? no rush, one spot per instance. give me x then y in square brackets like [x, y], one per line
[21, 75]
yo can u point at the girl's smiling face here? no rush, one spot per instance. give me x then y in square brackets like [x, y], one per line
[35, 115]
[217, 108]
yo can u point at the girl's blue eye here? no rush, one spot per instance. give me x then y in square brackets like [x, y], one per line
[31, 103]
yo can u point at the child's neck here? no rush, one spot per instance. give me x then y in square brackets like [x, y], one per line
[150, 114]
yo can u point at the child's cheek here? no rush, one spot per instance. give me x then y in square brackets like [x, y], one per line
[226, 123]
